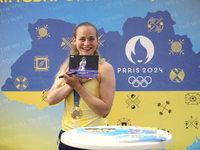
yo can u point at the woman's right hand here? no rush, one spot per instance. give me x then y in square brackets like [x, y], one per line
[73, 80]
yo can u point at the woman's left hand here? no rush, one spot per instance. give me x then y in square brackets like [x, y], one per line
[84, 80]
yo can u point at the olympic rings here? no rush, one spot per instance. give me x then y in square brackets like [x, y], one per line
[140, 81]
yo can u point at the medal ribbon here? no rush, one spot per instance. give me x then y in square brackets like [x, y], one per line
[76, 99]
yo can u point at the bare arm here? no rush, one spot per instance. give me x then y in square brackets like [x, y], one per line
[102, 105]
[56, 95]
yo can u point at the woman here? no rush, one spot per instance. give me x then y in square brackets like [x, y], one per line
[96, 94]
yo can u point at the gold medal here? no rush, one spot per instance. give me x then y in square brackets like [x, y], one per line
[76, 112]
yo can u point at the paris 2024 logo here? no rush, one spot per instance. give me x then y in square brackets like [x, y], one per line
[148, 48]
[146, 43]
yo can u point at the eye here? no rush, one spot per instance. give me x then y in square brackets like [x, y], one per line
[82, 39]
[92, 38]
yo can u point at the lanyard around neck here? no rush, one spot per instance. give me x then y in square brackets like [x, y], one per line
[76, 99]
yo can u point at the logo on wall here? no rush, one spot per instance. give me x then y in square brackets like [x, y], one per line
[21, 83]
[192, 98]
[176, 47]
[66, 43]
[133, 101]
[155, 24]
[42, 32]
[44, 95]
[140, 81]
[191, 123]
[100, 42]
[164, 108]
[124, 122]
[177, 75]
[145, 43]
[41, 63]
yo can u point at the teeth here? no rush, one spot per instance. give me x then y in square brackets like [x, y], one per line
[86, 48]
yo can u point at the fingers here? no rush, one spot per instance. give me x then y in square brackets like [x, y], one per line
[84, 80]
[67, 71]
[72, 80]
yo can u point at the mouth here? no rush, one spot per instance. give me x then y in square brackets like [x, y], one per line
[86, 48]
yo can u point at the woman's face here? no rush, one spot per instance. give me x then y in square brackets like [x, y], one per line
[86, 40]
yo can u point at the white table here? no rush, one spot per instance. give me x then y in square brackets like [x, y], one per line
[102, 142]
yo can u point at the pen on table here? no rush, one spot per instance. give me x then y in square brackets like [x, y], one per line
[69, 74]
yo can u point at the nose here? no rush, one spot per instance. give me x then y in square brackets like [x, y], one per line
[87, 42]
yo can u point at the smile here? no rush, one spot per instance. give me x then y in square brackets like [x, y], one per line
[86, 48]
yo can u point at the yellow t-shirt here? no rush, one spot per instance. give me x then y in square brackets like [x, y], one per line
[89, 117]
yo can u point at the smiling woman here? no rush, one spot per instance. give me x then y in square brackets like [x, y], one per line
[86, 40]
[95, 101]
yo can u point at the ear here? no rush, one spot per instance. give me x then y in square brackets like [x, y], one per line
[97, 40]
[74, 40]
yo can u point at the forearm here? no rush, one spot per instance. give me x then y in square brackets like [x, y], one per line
[98, 105]
[56, 95]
